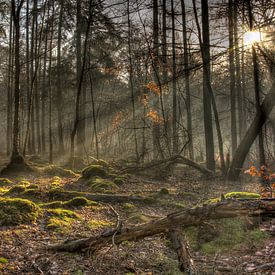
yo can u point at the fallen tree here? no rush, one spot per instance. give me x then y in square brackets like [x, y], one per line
[177, 159]
[170, 226]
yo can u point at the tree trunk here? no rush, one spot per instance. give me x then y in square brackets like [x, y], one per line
[59, 94]
[208, 127]
[187, 82]
[251, 134]
[232, 77]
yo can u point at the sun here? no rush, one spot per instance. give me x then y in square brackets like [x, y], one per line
[252, 37]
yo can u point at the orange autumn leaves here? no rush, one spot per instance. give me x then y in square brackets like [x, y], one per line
[267, 191]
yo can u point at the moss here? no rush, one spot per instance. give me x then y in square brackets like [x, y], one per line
[54, 170]
[97, 224]
[33, 186]
[138, 218]
[235, 195]
[25, 183]
[94, 171]
[129, 208]
[232, 236]
[61, 220]
[5, 181]
[17, 189]
[80, 202]
[3, 260]
[100, 185]
[242, 195]
[17, 211]
[73, 203]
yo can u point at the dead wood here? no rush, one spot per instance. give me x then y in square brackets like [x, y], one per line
[181, 246]
[178, 159]
[185, 218]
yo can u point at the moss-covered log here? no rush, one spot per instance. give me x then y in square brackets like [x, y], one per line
[185, 218]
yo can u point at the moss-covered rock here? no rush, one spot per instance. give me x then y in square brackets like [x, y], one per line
[54, 170]
[5, 181]
[94, 171]
[17, 211]
[101, 185]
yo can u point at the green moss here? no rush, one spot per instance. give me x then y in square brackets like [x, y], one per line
[242, 195]
[3, 260]
[96, 224]
[94, 171]
[17, 189]
[232, 236]
[129, 208]
[17, 211]
[77, 202]
[33, 186]
[52, 205]
[54, 170]
[235, 195]
[5, 181]
[25, 183]
[61, 220]
[100, 185]
[138, 218]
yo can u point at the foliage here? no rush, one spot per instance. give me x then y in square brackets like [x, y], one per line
[5, 181]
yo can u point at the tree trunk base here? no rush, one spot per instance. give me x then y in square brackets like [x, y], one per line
[17, 165]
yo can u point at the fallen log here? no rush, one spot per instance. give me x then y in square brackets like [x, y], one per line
[185, 218]
[178, 159]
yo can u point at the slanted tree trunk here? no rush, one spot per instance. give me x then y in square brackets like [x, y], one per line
[251, 134]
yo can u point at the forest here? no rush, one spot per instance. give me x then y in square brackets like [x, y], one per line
[137, 137]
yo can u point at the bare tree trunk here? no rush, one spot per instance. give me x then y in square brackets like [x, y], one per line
[59, 94]
[187, 82]
[175, 137]
[211, 93]
[256, 87]
[9, 88]
[232, 77]
[79, 88]
[16, 156]
[131, 82]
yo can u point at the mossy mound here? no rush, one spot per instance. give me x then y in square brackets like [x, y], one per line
[17, 189]
[17, 211]
[5, 181]
[101, 185]
[76, 202]
[94, 171]
[37, 159]
[60, 220]
[54, 170]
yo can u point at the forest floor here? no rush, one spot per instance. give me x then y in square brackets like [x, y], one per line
[23, 247]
